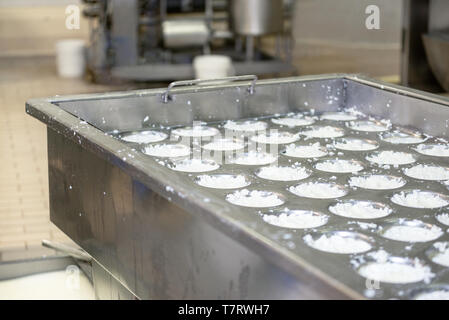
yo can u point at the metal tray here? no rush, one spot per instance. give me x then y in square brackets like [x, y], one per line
[87, 128]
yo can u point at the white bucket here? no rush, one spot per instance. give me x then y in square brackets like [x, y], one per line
[213, 67]
[71, 58]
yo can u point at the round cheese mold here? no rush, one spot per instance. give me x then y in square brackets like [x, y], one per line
[360, 209]
[353, 144]
[394, 158]
[296, 219]
[435, 150]
[403, 138]
[293, 121]
[275, 137]
[439, 253]
[255, 198]
[254, 158]
[396, 270]
[246, 125]
[338, 116]
[427, 172]
[368, 126]
[224, 144]
[411, 231]
[193, 165]
[339, 166]
[319, 190]
[147, 136]
[435, 293]
[222, 181]
[340, 242]
[420, 199]
[323, 132]
[167, 150]
[195, 132]
[304, 151]
[283, 173]
[377, 182]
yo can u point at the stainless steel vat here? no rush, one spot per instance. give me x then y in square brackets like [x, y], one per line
[160, 237]
[256, 17]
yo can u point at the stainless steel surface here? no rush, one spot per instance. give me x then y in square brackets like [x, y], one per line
[76, 253]
[256, 17]
[437, 50]
[162, 236]
[166, 95]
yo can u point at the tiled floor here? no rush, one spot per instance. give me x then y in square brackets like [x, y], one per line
[24, 213]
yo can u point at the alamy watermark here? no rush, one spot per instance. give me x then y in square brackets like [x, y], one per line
[372, 21]
[73, 15]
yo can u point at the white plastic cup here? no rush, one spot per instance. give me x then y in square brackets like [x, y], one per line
[213, 67]
[71, 58]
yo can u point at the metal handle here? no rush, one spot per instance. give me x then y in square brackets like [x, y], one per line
[76, 253]
[166, 94]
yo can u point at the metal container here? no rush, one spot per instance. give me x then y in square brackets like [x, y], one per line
[256, 17]
[437, 50]
[160, 235]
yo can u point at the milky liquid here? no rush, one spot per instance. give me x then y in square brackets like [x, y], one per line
[283, 173]
[254, 198]
[427, 172]
[443, 218]
[196, 131]
[222, 181]
[145, 137]
[412, 233]
[355, 145]
[224, 145]
[323, 132]
[311, 151]
[391, 158]
[296, 219]
[433, 295]
[419, 199]
[391, 272]
[360, 209]
[368, 126]
[248, 125]
[318, 190]
[167, 150]
[436, 150]
[275, 138]
[377, 182]
[339, 166]
[338, 116]
[338, 244]
[194, 165]
[294, 121]
[253, 158]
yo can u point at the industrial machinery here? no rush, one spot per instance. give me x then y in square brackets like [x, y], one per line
[154, 232]
[150, 40]
[425, 47]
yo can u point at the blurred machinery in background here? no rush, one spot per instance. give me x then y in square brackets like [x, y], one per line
[151, 40]
[425, 47]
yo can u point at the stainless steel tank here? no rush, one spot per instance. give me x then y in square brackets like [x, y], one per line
[256, 17]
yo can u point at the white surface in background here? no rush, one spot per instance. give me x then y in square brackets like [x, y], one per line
[46, 286]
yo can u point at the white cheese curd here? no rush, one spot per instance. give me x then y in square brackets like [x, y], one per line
[293, 121]
[336, 243]
[410, 233]
[352, 144]
[283, 173]
[338, 116]
[223, 181]
[368, 126]
[224, 144]
[275, 137]
[246, 125]
[323, 132]
[254, 198]
[339, 166]
[427, 172]
[393, 272]
[377, 182]
[254, 158]
[196, 132]
[308, 151]
[296, 219]
[318, 190]
[360, 209]
[436, 150]
[148, 136]
[391, 158]
[420, 199]
[194, 165]
[167, 150]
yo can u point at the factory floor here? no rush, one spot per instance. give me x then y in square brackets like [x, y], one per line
[24, 209]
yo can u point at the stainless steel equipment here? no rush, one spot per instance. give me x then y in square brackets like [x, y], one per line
[150, 40]
[159, 235]
[437, 51]
[422, 68]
